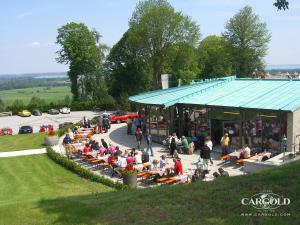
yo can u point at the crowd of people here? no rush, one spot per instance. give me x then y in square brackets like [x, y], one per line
[139, 157]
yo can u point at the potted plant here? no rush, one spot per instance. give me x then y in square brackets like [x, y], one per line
[130, 176]
[51, 138]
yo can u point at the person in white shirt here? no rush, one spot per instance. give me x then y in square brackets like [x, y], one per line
[122, 162]
[209, 144]
[246, 153]
[138, 158]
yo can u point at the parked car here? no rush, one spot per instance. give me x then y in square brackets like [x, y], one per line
[25, 130]
[53, 111]
[36, 112]
[46, 127]
[65, 110]
[24, 113]
[96, 109]
[121, 116]
[61, 125]
[6, 131]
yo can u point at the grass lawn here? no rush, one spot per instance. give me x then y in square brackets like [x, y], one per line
[36, 191]
[52, 94]
[21, 142]
[27, 181]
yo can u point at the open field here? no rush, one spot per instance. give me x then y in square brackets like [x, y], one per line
[36, 191]
[27, 181]
[49, 94]
[21, 142]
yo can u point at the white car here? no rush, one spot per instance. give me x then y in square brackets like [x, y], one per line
[65, 110]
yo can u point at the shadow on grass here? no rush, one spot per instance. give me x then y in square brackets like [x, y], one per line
[217, 202]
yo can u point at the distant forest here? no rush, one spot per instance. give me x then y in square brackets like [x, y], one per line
[17, 82]
[276, 71]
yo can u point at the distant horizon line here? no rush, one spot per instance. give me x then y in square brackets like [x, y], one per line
[268, 67]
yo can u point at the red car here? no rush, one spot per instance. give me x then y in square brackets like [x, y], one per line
[121, 116]
[6, 131]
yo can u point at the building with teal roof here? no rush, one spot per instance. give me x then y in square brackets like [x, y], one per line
[262, 113]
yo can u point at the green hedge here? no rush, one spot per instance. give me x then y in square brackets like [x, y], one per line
[82, 172]
[60, 132]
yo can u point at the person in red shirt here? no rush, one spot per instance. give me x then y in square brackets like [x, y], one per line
[86, 149]
[111, 159]
[177, 166]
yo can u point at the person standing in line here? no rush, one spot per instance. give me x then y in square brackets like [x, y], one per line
[173, 147]
[139, 137]
[149, 143]
[129, 124]
[205, 155]
[209, 144]
[225, 144]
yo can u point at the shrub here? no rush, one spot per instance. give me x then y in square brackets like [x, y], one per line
[63, 130]
[82, 172]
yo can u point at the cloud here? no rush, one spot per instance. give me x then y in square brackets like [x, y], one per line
[23, 15]
[35, 43]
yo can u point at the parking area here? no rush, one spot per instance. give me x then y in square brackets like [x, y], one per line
[15, 122]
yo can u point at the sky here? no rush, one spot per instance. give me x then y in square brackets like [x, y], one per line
[28, 29]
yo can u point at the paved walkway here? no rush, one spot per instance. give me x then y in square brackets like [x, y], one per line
[118, 135]
[22, 152]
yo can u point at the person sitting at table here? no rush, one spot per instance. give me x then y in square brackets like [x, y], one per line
[177, 166]
[246, 152]
[185, 145]
[86, 148]
[132, 152]
[197, 175]
[130, 159]
[121, 164]
[167, 174]
[111, 159]
[162, 162]
[216, 174]
[223, 173]
[102, 151]
[137, 158]
[104, 144]
[145, 156]
[111, 148]
[154, 165]
[71, 134]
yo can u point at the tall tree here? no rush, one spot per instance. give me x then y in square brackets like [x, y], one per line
[214, 57]
[80, 49]
[155, 28]
[248, 38]
[126, 72]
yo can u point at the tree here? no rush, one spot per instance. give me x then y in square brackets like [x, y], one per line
[156, 29]
[248, 38]
[126, 72]
[79, 49]
[281, 4]
[185, 64]
[2, 106]
[214, 57]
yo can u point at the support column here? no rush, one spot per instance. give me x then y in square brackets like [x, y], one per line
[180, 112]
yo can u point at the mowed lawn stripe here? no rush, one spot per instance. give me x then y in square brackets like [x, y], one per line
[21, 142]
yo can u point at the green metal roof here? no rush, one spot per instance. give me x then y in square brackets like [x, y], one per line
[272, 94]
[171, 96]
